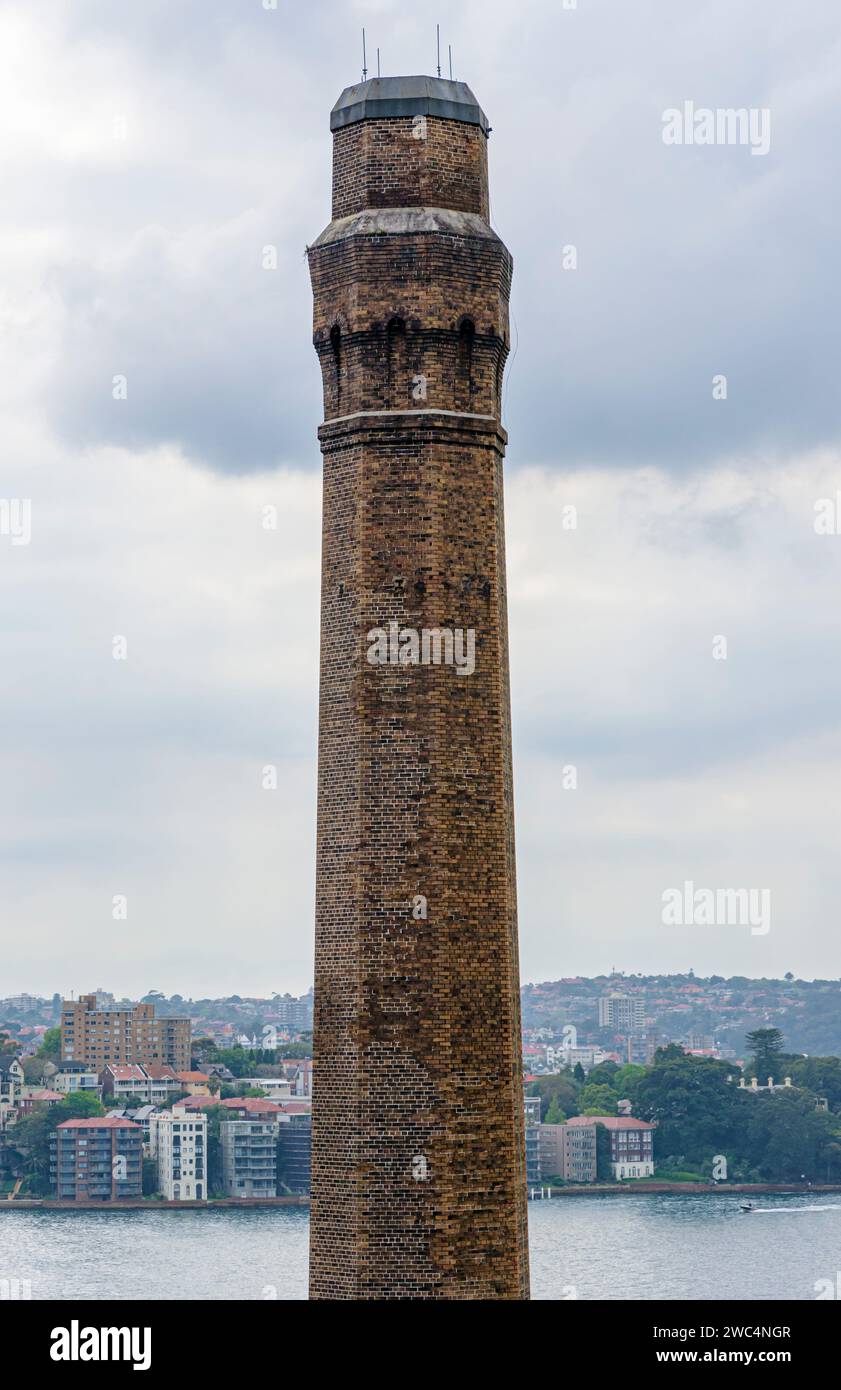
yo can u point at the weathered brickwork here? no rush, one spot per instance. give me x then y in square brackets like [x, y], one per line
[397, 163]
[418, 1181]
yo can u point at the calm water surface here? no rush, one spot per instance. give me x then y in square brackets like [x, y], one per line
[608, 1247]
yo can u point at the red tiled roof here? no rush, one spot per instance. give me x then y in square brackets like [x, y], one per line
[99, 1122]
[195, 1076]
[129, 1071]
[610, 1121]
[253, 1104]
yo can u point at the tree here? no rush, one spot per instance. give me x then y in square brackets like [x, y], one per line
[626, 1081]
[33, 1069]
[150, 1177]
[766, 1044]
[554, 1115]
[604, 1172]
[559, 1089]
[821, 1075]
[603, 1074]
[785, 1136]
[215, 1115]
[597, 1100]
[31, 1135]
[50, 1045]
[692, 1103]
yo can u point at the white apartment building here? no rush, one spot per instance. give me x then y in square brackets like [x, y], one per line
[178, 1143]
[303, 1079]
[275, 1087]
[249, 1157]
[152, 1085]
[75, 1077]
[12, 1082]
[624, 1012]
[585, 1057]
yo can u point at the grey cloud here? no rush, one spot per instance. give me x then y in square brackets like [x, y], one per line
[692, 262]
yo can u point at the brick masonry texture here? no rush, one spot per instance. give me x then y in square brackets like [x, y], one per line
[418, 1169]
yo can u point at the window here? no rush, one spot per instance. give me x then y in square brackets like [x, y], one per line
[336, 345]
[464, 365]
[397, 371]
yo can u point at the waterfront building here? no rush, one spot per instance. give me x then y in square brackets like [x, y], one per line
[531, 1111]
[12, 1081]
[551, 1149]
[631, 1143]
[249, 1157]
[568, 1150]
[97, 1160]
[294, 1143]
[579, 1152]
[178, 1144]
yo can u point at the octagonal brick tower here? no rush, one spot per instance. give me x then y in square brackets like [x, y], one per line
[418, 1164]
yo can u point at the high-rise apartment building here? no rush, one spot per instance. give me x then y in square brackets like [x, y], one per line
[624, 1012]
[122, 1034]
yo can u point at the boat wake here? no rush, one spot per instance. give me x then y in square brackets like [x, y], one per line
[773, 1211]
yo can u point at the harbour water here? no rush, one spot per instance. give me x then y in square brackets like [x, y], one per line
[593, 1247]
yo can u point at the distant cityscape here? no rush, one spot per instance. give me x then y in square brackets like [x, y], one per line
[174, 1100]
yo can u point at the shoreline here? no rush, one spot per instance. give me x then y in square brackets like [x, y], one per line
[626, 1189]
[149, 1204]
[705, 1189]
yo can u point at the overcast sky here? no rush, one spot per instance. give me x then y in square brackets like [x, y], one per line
[150, 151]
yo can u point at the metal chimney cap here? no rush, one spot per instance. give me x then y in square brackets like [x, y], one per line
[408, 96]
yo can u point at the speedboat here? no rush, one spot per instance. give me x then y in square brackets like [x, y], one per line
[746, 1206]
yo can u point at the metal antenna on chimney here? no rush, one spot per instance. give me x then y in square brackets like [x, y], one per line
[450, 47]
[364, 59]
[378, 62]
[438, 43]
